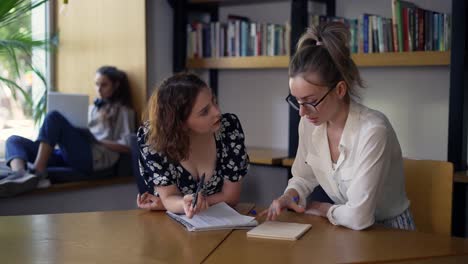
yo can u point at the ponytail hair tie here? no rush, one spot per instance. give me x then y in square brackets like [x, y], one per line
[319, 43]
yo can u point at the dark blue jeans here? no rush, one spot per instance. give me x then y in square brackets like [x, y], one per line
[319, 195]
[74, 144]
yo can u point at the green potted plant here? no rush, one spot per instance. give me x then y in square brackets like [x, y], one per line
[16, 46]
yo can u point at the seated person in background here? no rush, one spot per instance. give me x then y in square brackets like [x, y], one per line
[351, 151]
[110, 121]
[185, 137]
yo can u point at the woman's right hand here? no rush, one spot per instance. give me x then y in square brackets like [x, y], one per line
[201, 205]
[278, 205]
[149, 202]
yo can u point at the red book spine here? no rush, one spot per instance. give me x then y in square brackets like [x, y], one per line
[405, 29]
[421, 29]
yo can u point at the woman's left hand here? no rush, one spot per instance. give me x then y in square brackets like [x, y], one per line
[318, 208]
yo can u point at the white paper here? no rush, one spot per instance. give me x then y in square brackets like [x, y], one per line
[218, 216]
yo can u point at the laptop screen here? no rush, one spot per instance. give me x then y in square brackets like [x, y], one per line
[74, 107]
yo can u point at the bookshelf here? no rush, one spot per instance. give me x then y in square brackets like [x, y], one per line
[251, 62]
[455, 59]
[287, 162]
[299, 21]
[461, 177]
[401, 59]
[266, 156]
[232, 2]
[388, 59]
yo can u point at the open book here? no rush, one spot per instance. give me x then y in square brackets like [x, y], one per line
[218, 216]
[279, 230]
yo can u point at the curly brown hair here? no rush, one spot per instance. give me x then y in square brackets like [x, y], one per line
[168, 109]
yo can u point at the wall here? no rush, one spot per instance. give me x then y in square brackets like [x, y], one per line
[257, 96]
[159, 17]
[95, 33]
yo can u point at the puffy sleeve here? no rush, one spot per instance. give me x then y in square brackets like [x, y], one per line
[236, 160]
[155, 168]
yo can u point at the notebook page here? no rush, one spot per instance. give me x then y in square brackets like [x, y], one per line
[218, 216]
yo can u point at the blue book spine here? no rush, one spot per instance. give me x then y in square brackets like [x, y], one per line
[244, 38]
[365, 32]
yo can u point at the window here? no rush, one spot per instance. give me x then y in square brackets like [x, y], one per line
[21, 103]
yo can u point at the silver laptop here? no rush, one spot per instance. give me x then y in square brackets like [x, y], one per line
[74, 107]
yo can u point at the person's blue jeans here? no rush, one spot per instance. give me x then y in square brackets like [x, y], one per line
[74, 144]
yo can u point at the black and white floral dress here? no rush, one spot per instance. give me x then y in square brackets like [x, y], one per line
[232, 161]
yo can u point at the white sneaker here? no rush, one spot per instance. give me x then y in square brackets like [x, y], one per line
[17, 182]
[43, 183]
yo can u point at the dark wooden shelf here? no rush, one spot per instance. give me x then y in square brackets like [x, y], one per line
[388, 59]
[266, 156]
[249, 62]
[233, 2]
[398, 59]
[460, 176]
[287, 162]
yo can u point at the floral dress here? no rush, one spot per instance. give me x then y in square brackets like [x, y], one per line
[232, 161]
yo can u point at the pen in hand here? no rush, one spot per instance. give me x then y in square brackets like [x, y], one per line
[199, 187]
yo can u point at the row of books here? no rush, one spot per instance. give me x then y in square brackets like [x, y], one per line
[238, 37]
[420, 29]
[410, 29]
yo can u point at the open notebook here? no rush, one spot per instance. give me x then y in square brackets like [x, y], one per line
[218, 216]
[279, 230]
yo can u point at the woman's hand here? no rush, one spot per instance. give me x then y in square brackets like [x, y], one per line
[149, 202]
[277, 206]
[201, 205]
[318, 208]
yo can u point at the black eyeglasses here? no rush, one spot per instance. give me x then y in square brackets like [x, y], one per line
[292, 101]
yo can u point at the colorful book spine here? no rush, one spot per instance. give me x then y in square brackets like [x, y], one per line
[396, 26]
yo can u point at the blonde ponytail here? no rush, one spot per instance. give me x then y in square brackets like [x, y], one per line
[325, 50]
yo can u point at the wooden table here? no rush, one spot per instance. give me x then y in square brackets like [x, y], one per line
[325, 243]
[436, 260]
[138, 236]
[134, 236]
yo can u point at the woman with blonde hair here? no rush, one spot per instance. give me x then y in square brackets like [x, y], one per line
[346, 148]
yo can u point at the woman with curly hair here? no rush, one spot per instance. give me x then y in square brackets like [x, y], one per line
[185, 137]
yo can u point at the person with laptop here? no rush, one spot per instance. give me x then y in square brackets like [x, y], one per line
[110, 121]
[191, 156]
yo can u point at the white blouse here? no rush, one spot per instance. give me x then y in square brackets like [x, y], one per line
[122, 126]
[367, 184]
